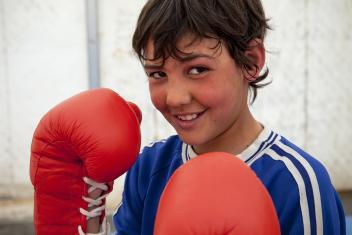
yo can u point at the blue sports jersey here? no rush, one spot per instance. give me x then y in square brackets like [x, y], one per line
[305, 200]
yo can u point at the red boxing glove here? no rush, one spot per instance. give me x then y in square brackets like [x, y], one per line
[89, 138]
[215, 193]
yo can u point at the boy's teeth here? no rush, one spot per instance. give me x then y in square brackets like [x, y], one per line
[187, 117]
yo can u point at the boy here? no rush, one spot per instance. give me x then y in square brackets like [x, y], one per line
[202, 58]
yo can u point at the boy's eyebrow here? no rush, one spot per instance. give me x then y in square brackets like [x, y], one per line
[193, 56]
[152, 66]
[185, 58]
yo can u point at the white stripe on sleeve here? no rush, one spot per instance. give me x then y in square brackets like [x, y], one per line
[314, 182]
[301, 187]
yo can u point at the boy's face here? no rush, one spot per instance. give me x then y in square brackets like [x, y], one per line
[204, 96]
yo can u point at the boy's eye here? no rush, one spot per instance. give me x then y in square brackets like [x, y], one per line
[156, 75]
[198, 70]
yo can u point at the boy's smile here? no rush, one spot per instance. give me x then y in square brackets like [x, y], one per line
[188, 120]
[203, 95]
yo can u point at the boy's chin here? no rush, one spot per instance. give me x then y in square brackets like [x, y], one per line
[190, 139]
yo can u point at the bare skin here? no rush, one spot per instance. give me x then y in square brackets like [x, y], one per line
[93, 224]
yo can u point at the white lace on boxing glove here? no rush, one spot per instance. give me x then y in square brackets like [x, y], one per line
[100, 207]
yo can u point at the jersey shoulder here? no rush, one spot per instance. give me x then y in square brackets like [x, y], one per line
[283, 156]
[160, 154]
[300, 187]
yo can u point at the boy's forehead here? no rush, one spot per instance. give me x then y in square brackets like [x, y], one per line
[188, 45]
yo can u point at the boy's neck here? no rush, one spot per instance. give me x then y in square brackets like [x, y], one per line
[242, 134]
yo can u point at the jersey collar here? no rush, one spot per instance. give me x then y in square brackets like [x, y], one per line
[257, 146]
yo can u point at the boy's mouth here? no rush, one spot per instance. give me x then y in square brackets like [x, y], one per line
[189, 116]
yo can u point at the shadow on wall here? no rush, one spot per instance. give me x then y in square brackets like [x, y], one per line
[16, 228]
[26, 228]
[19, 216]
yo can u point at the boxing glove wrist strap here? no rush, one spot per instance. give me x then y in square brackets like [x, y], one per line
[94, 202]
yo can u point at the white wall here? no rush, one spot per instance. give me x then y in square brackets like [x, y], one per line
[310, 98]
[43, 60]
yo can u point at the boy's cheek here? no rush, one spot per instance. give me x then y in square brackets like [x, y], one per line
[157, 101]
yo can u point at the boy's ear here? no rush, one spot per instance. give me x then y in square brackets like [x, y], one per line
[256, 53]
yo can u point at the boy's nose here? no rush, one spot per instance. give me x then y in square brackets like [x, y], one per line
[178, 95]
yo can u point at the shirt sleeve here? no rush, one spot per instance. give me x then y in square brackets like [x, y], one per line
[127, 219]
[334, 219]
[305, 208]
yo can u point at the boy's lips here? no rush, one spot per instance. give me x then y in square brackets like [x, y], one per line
[187, 120]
